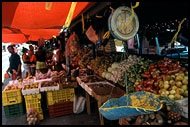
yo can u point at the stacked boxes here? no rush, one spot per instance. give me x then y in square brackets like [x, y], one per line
[12, 102]
[60, 102]
[34, 101]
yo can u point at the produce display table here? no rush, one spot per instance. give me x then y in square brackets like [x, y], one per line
[100, 98]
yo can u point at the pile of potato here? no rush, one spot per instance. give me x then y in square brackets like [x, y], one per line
[175, 86]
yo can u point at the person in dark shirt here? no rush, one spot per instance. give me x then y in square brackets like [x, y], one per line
[15, 63]
[41, 57]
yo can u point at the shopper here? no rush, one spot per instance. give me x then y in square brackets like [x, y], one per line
[41, 57]
[32, 60]
[56, 64]
[15, 64]
[26, 61]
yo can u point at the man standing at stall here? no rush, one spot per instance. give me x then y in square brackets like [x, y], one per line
[15, 63]
[41, 57]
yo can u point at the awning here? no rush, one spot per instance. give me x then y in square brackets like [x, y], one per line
[37, 19]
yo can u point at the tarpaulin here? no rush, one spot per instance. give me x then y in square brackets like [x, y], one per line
[16, 38]
[38, 16]
[33, 15]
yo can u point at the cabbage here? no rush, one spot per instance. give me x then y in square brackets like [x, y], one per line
[109, 69]
[108, 75]
[115, 65]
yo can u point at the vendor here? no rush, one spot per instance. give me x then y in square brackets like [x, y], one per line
[41, 57]
[56, 64]
[15, 63]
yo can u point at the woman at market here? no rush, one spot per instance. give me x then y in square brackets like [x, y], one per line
[15, 63]
[32, 60]
[26, 61]
[56, 64]
[41, 57]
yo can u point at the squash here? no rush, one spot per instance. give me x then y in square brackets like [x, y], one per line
[108, 75]
[115, 65]
[109, 69]
[103, 74]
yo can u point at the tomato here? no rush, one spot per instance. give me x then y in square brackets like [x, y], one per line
[170, 72]
[136, 88]
[145, 75]
[164, 72]
[163, 69]
[147, 72]
[151, 66]
[153, 69]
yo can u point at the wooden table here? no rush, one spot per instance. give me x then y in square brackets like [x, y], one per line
[100, 101]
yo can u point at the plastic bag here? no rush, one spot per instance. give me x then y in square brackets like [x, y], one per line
[73, 45]
[78, 104]
[91, 34]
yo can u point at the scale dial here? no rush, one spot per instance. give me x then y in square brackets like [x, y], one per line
[122, 19]
[117, 24]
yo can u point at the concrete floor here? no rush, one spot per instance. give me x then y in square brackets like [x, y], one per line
[72, 119]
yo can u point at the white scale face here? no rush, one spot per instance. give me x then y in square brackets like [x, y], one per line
[121, 21]
[118, 23]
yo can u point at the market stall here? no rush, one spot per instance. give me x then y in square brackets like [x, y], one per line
[103, 57]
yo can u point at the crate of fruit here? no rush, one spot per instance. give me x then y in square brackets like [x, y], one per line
[34, 101]
[57, 96]
[32, 88]
[11, 94]
[14, 110]
[60, 109]
[48, 86]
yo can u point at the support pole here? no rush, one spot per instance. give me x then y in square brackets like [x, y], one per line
[157, 45]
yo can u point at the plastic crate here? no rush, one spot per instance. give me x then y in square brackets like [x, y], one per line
[11, 97]
[57, 96]
[60, 109]
[14, 110]
[34, 101]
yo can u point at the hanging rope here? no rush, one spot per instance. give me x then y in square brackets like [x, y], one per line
[179, 28]
[82, 18]
[132, 14]
[107, 34]
[70, 15]
[48, 5]
[99, 16]
[112, 10]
